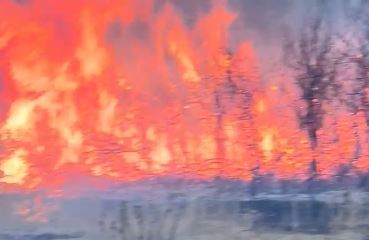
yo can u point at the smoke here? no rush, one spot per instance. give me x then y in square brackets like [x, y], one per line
[191, 10]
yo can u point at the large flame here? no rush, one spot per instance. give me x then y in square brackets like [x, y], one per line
[127, 89]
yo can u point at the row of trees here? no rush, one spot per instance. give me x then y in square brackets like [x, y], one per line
[331, 69]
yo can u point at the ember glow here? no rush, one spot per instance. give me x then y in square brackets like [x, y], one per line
[127, 89]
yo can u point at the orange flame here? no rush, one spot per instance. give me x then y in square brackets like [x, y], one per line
[116, 90]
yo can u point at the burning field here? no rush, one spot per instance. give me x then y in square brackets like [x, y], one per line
[240, 97]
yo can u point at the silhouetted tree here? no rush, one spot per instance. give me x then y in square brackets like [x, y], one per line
[314, 61]
[358, 54]
[235, 91]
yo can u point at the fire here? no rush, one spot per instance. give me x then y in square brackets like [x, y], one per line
[267, 144]
[261, 106]
[115, 90]
[15, 168]
[90, 54]
[20, 116]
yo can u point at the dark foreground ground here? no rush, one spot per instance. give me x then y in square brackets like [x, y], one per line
[188, 214]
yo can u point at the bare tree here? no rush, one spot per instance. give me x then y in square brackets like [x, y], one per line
[313, 59]
[234, 91]
[358, 54]
[357, 95]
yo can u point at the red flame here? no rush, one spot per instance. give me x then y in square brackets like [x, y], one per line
[122, 90]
